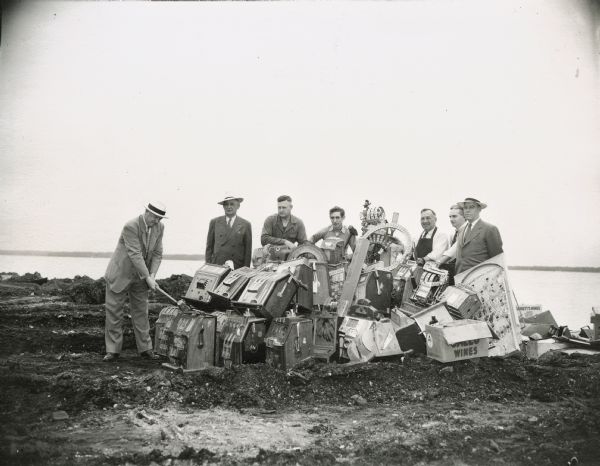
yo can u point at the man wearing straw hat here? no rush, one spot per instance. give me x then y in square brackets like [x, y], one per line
[131, 273]
[477, 241]
[229, 236]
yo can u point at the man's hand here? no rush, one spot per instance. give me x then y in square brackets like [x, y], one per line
[229, 264]
[420, 261]
[289, 244]
[151, 282]
[442, 260]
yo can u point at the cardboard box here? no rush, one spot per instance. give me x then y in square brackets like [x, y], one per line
[457, 340]
[409, 335]
[535, 348]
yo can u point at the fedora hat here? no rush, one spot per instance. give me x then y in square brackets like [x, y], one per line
[461, 204]
[230, 198]
[157, 208]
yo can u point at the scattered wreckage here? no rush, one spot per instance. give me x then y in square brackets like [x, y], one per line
[303, 304]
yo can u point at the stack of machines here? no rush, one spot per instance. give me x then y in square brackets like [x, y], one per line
[298, 306]
[230, 314]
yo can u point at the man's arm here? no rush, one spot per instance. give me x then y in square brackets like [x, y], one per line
[157, 253]
[210, 241]
[440, 244]
[493, 241]
[318, 236]
[301, 237]
[134, 249]
[266, 237]
[248, 246]
[448, 255]
[352, 240]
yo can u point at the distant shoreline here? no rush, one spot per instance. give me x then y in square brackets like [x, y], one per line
[94, 255]
[200, 257]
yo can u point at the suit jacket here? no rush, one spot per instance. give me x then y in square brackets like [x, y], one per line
[229, 243]
[136, 256]
[484, 242]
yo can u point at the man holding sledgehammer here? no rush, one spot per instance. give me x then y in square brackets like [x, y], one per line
[131, 273]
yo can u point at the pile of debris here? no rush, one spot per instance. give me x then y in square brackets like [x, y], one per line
[295, 306]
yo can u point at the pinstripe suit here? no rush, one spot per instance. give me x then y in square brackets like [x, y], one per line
[225, 243]
[483, 243]
[136, 257]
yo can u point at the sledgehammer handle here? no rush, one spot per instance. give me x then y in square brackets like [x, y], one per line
[167, 295]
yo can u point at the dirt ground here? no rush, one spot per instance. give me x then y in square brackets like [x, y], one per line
[411, 411]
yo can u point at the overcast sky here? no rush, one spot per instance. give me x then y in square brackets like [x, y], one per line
[411, 104]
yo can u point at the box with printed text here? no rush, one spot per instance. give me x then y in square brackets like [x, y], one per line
[456, 340]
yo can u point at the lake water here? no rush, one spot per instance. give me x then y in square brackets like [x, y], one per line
[569, 295]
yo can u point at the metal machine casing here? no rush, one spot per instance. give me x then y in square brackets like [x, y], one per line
[165, 318]
[337, 277]
[320, 287]
[363, 337]
[235, 282]
[410, 337]
[432, 283]
[462, 302]
[242, 340]
[289, 341]
[302, 271]
[334, 249]
[404, 282]
[376, 286]
[192, 341]
[268, 294]
[206, 279]
[325, 326]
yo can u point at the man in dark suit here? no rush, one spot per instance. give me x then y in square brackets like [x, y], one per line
[477, 240]
[229, 237]
[130, 274]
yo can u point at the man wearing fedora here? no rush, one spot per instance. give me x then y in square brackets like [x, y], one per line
[229, 236]
[131, 273]
[477, 241]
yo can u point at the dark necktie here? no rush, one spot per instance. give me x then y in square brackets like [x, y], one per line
[454, 238]
[467, 233]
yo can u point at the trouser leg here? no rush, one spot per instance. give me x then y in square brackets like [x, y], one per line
[113, 328]
[138, 301]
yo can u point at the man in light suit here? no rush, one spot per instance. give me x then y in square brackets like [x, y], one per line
[131, 273]
[477, 240]
[229, 237]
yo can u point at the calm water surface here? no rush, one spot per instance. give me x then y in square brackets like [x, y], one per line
[569, 295]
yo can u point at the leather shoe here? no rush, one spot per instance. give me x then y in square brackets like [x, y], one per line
[149, 354]
[110, 357]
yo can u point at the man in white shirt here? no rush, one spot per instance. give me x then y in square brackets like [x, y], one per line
[457, 220]
[432, 242]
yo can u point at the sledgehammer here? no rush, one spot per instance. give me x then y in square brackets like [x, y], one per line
[180, 304]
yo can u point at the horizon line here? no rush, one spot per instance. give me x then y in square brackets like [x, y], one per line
[184, 256]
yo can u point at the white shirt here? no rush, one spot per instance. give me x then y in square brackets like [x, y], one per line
[146, 225]
[230, 221]
[440, 244]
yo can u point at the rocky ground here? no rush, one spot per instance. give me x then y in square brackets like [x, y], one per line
[59, 404]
